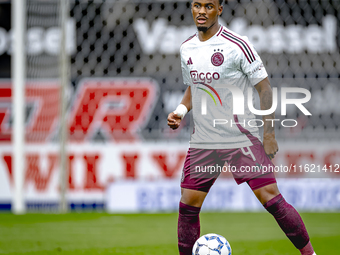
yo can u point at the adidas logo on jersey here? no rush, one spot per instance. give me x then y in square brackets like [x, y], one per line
[189, 62]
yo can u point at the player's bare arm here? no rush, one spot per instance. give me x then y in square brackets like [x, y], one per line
[175, 117]
[266, 100]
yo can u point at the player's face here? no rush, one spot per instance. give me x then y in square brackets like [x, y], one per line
[205, 13]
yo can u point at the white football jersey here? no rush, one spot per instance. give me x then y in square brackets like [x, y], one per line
[219, 72]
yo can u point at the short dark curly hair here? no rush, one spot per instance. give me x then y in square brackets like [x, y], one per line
[221, 1]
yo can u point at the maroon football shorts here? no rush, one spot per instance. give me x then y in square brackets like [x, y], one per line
[247, 164]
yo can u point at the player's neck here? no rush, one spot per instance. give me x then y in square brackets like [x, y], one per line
[204, 36]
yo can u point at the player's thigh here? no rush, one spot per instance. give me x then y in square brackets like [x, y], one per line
[249, 163]
[201, 169]
[193, 197]
[266, 193]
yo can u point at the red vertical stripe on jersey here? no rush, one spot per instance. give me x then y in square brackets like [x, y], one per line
[243, 130]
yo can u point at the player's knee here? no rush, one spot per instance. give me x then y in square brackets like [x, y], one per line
[193, 197]
[192, 201]
[267, 193]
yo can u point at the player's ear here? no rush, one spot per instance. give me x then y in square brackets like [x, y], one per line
[220, 10]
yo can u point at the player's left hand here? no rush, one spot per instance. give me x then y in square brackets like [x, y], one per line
[270, 145]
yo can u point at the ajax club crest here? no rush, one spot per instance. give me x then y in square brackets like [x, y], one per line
[217, 58]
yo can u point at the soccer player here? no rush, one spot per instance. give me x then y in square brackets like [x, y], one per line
[214, 61]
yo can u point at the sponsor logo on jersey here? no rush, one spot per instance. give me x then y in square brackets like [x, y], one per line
[217, 58]
[213, 90]
[189, 62]
[256, 69]
[203, 77]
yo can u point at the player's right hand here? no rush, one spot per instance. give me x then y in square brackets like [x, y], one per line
[174, 121]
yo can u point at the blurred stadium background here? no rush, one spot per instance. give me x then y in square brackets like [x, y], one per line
[124, 79]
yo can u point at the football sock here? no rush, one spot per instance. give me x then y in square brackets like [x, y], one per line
[291, 223]
[307, 250]
[188, 228]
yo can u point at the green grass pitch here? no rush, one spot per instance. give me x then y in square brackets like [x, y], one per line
[155, 234]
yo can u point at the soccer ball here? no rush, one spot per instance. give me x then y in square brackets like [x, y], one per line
[211, 244]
